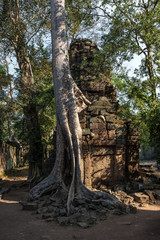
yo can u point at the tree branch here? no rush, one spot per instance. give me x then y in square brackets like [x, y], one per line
[30, 20]
[155, 5]
[142, 50]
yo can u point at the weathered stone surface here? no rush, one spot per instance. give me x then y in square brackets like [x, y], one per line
[111, 134]
[157, 194]
[86, 131]
[104, 134]
[140, 197]
[102, 151]
[119, 151]
[150, 194]
[101, 163]
[147, 180]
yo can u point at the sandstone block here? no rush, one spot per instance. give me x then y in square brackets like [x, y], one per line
[111, 142]
[110, 119]
[101, 162]
[86, 131]
[101, 175]
[157, 194]
[95, 120]
[119, 151]
[102, 151]
[119, 158]
[98, 127]
[110, 126]
[150, 194]
[111, 134]
[104, 112]
[95, 112]
[83, 125]
[140, 197]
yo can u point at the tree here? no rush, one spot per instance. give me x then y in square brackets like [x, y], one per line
[81, 16]
[17, 19]
[4, 83]
[133, 28]
[65, 179]
[42, 70]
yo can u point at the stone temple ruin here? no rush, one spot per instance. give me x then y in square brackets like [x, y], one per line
[110, 145]
[11, 155]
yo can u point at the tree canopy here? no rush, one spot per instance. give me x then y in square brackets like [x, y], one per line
[133, 29]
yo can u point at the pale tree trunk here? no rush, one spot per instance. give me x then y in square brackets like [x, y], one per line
[65, 178]
[9, 102]
[12, 137]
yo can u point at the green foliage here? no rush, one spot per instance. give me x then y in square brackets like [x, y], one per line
[23, 24]
[133, 28]
[44, 93]
[80, 15]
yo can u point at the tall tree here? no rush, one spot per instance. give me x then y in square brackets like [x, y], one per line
[133, 28]
[17, 20]
[66, 176]
[4, 83]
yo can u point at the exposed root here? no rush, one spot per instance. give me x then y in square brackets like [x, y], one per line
[97, 195]
[86, 209]
[47, 185]
[81, 101]
[71, 192]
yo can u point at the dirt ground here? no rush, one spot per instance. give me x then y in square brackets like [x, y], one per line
[16, 224]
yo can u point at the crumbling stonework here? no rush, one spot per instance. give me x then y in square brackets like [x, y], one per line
[10, 156]
[110, 145]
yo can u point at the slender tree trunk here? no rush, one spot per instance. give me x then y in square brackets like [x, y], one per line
[149, 64]
[12, 137]
[11, 134]
[65, 177]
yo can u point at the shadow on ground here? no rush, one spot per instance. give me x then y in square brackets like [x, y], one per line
[16, 224]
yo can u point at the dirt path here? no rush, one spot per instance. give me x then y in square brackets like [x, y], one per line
[16, 224]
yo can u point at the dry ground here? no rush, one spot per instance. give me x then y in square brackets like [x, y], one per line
[16, 224]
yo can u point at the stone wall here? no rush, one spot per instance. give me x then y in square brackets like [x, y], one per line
[110, 145]
[10, 156]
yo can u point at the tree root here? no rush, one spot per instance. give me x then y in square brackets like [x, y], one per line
[87, 208]
[98, 195]
[47, 185]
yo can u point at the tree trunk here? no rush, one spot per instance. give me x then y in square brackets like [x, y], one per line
[35, 143]
[149, 63]
[65, 178]
[30, 112]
